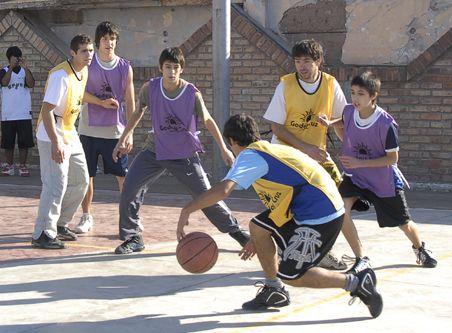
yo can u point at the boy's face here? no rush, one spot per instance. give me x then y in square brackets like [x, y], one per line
[107, 44]
[84, 54]
[361, 98]
[171, 71]
[307, 68]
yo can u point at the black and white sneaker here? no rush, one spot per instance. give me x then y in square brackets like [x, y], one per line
[268, 297]
[66, 234]
[367, 292]
[424, 257]
[359, 265]
[45, 242]
[241, 236]
[133, 244]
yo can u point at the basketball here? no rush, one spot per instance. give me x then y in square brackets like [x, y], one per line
[197, 252]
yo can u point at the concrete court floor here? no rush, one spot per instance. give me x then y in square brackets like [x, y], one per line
[86, 288]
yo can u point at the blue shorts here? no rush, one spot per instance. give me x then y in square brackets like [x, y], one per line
[94, 147]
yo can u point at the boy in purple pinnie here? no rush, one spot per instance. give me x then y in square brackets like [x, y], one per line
[369, 159]
[175, 106]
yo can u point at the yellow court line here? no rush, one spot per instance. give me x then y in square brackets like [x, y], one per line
[299, 309]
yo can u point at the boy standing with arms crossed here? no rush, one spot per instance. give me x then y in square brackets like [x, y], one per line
[369, 157]
[110, 76]
[175, 106]
[16, 80]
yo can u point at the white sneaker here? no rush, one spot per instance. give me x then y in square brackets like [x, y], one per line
[85, 224]
[331, 262]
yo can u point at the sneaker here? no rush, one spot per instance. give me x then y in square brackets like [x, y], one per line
[66, 234]
[7, 169]
[241, 236]
[366, 291]
[23, 171]
[361, 205]
[85, 224]
[267, 297]
[134, 244]
[424, 257]
[45, 242]
[359, 265]
[330, 261]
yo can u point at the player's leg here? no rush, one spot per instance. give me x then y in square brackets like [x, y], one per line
[192, 175]
[8, 141]
[77, 183]
[350, 194]
[24, 142]
[144, 170]
[54, 182]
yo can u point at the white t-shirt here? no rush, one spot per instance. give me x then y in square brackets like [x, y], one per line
[16, 98]
[56, 94]
[276, 111]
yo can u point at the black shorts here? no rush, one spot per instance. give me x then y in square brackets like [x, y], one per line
[23, 129]
[391, 212]
[94, 147]
[301, 246]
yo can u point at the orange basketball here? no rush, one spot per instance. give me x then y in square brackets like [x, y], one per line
[197, 252]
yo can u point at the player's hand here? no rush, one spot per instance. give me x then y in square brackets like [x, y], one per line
[323, 119]
[248, 251]
[22, 63]
[228, 157]
[110, 103]
[350, 162]
[57, 153]
[183, 221]
[317, 154]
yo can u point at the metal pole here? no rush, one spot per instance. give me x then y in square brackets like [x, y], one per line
[221, 51]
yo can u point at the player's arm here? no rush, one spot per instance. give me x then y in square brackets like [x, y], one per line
[29, 79]
[351, 162]
[6, 76]
[130, 95]
[109, 103]
[284, 135]
[211, 125]
[217, 193]
[48, 120]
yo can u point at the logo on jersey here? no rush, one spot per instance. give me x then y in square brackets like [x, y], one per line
[303, 246]
[105, 91]
[307, 120]
[270, 201]
[172, 124]
[362, 152]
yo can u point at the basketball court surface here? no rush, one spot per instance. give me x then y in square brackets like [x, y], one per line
[87, 288]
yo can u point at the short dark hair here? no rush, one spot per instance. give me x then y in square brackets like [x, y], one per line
[242, 129]
[78, 40]
[367, 81]
[308, 47]
[105, 28]
[13, 51]
[172, 54]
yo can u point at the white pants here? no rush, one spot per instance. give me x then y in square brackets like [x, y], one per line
[63, 187]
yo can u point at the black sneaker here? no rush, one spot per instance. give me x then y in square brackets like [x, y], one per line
[66, 234]
[45, 242]
[241, 236]
[367, 292]
[134, 244]
[267, 297]
[359, 265]
[361, 205]
[424, 257]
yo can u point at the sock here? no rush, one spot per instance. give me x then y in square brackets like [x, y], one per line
[351, 282]
[275, 283]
